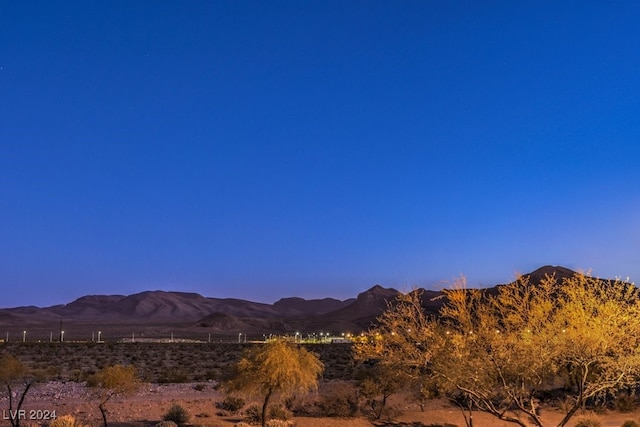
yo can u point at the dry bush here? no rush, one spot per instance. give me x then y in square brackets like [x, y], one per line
[231, 404]
[280, 423]
[340, 400]
[588, 421]
[279, 412]
[303, 405]
[66, 421]
[196, 361]
[625, 402]
[177, 414]
[252, 414]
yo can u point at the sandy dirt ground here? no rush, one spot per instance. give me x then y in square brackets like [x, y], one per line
[147, 407]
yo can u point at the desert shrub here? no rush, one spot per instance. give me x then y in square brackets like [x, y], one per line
[177, 414]
[65, 421]
[390, 413]
[199, 387]
[625, 402]
[93, 381]
[588, 422]
[630, 423]
[212, 374]
[280, 423]
[173, 376]
[600, 407]
[231, 404]
[166, 424]
[253, 414]
[564, 404]
[304, 406]
[340, 401]
[76, 375]
[279, 412]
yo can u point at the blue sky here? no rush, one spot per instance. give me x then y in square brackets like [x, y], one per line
[266, 149]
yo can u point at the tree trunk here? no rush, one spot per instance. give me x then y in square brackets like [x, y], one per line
[569, 414]
[103, 411]
[382, 405]
[13, 422]
[264, 408]
[24, 393]
[468, 420]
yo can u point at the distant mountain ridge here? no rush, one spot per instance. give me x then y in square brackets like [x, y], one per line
[194, 312]
[168, 305]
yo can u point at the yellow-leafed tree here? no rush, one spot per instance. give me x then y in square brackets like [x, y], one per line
[497, 351]
[275, 368]
[114, 380]
[13, 373]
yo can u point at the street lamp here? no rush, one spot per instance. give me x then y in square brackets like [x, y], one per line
[99, 333]
[239, 337]
[24, 336]
[61, 336]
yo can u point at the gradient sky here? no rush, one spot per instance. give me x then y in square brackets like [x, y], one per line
[267, 149]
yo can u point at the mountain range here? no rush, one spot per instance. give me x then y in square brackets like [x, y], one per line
[194, 314]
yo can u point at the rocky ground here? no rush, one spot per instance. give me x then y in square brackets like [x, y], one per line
[151, 402]
[146, 406]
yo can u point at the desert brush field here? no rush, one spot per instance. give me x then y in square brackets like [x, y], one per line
[187, 376]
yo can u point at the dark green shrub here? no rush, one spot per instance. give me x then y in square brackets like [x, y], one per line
[177, 414]
[630, 423]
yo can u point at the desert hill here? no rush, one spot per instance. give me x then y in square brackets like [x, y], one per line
[295, 306]
[195, 314]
